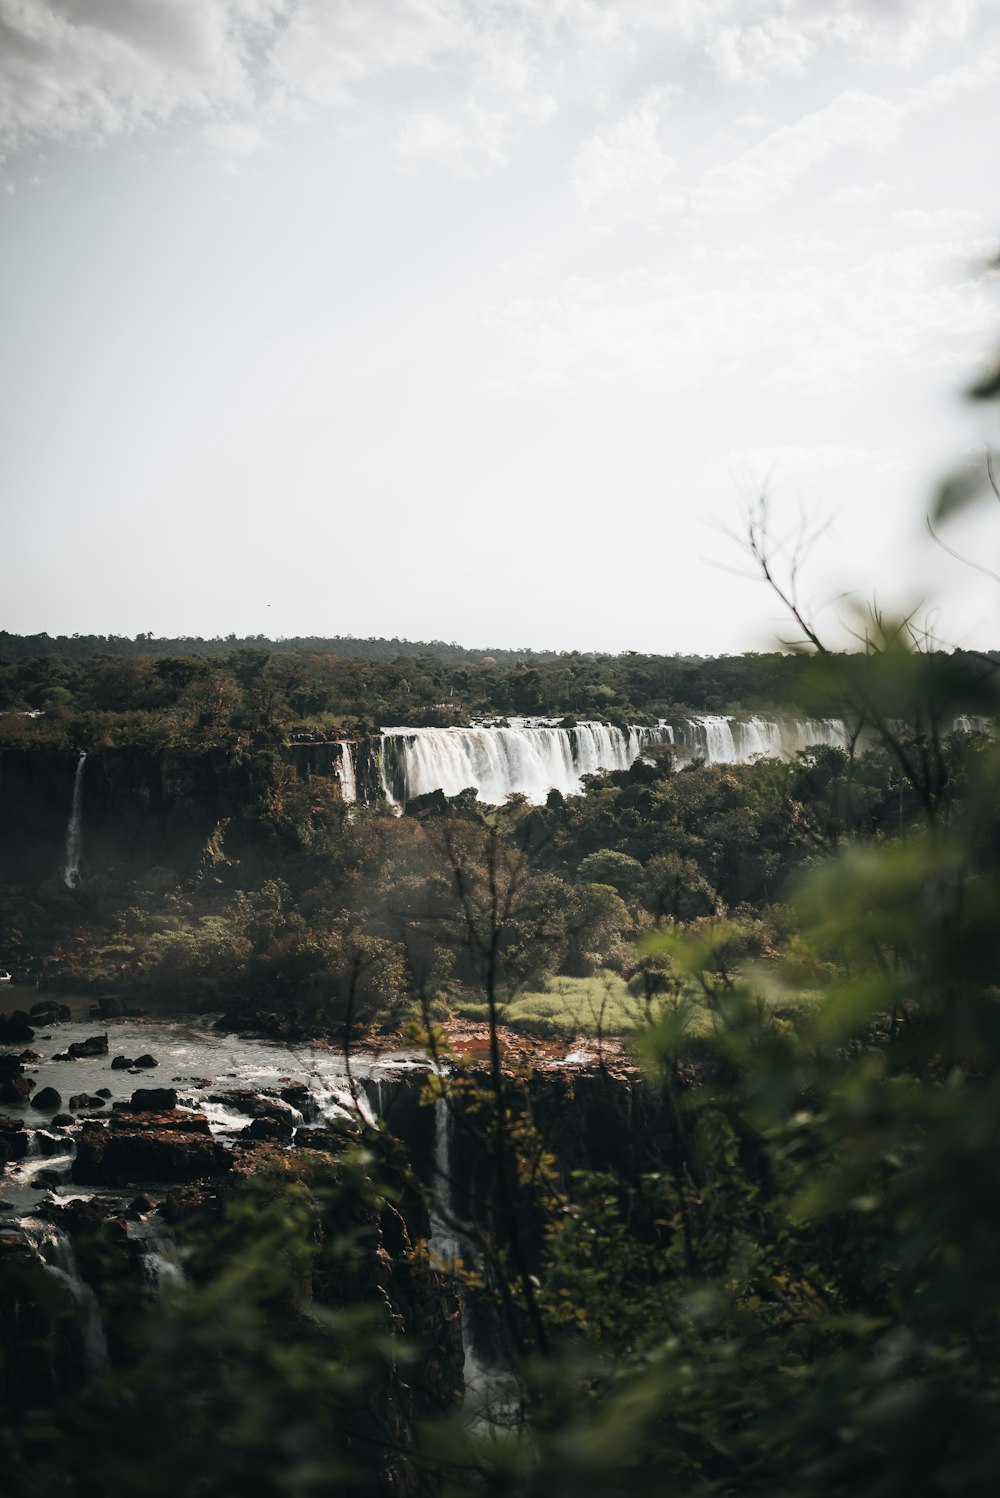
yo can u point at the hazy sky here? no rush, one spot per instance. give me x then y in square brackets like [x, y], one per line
[481, 321]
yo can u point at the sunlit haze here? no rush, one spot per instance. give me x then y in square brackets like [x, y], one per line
[483, 321]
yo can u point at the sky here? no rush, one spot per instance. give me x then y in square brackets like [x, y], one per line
[486, 322]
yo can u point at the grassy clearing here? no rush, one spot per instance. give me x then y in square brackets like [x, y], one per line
[602, 1004]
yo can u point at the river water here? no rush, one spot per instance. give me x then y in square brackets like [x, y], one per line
[194, 1058]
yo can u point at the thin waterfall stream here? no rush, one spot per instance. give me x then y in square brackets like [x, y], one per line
[74, 829]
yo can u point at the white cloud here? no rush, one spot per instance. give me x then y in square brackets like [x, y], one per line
[938, 220]
[120, 65]
[858, 193]
[235, 139]
[754, 54]
[783, 324]
[785, 463]
[624, 155]
[331, 47]
[473, 140]
[768, 171]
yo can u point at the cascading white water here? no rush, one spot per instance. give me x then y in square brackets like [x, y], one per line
[345, 773]
[56, 1252]
[74, 837]
[527, 758]
[533, 758]
[725, 740]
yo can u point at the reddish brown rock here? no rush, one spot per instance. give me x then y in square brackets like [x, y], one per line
[154, 1149]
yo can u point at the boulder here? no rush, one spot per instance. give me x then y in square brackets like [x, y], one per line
[95, 1045]
[145, 1061]
[85, 1100]
[9, 1063]
[16, 1027]
[147, 1152]
[48, 1012]
[275, 1124]
[297, 1095]
[30, 1055]
[15, 1089]
[62, 1056]
[63, 1120]
[142, 1205]
[122, 1063]
[13, 1140]
[47, 1101]
[153, 1100]
[104, 1092]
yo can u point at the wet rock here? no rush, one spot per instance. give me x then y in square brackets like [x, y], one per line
[121, 1063]
[272, 1118]
[148, 1150]
[47, 1101]
[94, 1045]
[181, 1205]
[30, 1055]
[104, 1092]
[63, 1056]
[9, 1062]
[123, 1119]
[15, 1089]
[142, 1205]
[276, 1124]
[153, 1100]
[145, 1061]
[84, 1215]
[48, 1012]
[49, 1144]
[13, 1140]
[15, 1027]
[297, 1095]
[63, 1120]
[85, 1100]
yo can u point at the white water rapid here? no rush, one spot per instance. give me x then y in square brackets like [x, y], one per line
[532, 758]
[74, 836]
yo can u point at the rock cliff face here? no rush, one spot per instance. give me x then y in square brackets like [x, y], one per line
[138, 809]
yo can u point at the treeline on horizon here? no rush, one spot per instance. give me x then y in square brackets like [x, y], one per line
[77, 647]
[151, 692]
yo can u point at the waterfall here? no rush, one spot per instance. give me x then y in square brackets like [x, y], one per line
[345, 772]
[443, 1241]
[527, 758]
[157, 1255]
[726, 740]
[532, 758]
[74, 839]
[56, 1251]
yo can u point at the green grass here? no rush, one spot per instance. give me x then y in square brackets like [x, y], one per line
[566, 1007]
[570, 1006]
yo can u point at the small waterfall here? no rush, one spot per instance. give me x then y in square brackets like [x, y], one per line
[345, 772]
[56, 1251]
[443, 1242]
[494, 1392]
[158, 1263]
[74, 837]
